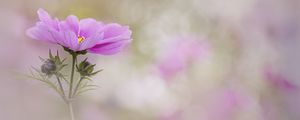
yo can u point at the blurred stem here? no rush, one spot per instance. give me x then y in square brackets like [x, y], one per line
[78, 84]
[71, 111]
[74, 56]
[61, 88]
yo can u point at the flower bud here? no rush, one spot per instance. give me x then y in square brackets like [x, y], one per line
[48, 67]
[85, 68]
[85, 64]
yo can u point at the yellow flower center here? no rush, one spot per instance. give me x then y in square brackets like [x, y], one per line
[80, 39]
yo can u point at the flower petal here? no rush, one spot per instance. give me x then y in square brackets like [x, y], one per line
[69, 39]
[47, 20]
[89, 27]
[115, 38]
[109, 48]
[113, 30]
[71, 24]
[91, 41]
[44, 16]
[42, 32]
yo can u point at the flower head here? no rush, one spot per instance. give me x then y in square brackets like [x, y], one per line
[81, 35]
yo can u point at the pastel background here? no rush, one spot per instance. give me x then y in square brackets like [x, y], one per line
[189, 60]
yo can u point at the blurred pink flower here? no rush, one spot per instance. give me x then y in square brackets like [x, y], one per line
[220, 104]
[180, 53]
[171, 115]
[86, 34]
[278, 80]
[223, 104]
[286, 94]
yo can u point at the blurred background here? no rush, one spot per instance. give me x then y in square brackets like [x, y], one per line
[189, 60]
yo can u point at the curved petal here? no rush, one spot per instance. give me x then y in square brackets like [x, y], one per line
[42, 32]
[115, 38]
[113, 29]
[124, 36]
[47, 20]
[115, 32]
[69, 39]
[91, 41]
[44, 16]
[71, 24]
[89, 27]
[33, 33]
[109, 48]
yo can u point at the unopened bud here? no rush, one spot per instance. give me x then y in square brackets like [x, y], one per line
[85, 64]
[85, 68]
[48, 67]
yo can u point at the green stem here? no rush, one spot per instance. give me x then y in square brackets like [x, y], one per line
[74, 56]
[77, 86]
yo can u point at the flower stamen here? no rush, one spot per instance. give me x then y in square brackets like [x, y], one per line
[80, 39]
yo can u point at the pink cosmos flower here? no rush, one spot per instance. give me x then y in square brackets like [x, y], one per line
[80, 35]
[182, 51]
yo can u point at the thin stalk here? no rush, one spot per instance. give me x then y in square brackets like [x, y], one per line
[74, 56]
[61, 88]
[71, 111]
[77, 86]
[70, 104]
